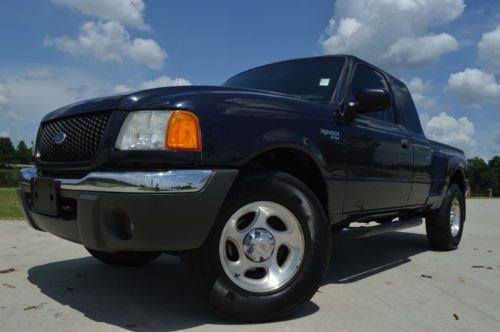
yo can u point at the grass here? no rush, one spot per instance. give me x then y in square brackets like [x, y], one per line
[9, 206]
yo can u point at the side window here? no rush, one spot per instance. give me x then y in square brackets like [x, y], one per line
[407, 107]
[367, 78]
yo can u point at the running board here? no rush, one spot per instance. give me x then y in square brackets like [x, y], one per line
[367, 231]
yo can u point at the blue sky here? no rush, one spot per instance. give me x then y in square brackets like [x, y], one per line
[60, 51]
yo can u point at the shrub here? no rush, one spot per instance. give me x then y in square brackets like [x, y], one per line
[8, 178]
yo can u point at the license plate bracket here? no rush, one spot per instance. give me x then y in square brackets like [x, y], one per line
[45, 195]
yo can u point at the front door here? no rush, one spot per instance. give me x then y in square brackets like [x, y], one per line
[379, 156]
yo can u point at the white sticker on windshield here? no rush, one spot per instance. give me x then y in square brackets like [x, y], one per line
[324, 82]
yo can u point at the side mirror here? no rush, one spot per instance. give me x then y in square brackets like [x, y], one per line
[370, 100]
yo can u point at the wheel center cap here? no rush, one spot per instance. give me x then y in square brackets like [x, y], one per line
[258, 245]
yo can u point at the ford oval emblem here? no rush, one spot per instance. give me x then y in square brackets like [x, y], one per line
[59, 138]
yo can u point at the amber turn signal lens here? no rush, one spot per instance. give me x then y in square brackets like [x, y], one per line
[183, 132]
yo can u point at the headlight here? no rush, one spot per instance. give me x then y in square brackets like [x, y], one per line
[143, 130]
[160, 130]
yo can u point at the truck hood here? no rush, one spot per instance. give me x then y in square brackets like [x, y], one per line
[158, 98]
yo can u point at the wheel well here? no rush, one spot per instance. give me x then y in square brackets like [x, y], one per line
[295, 163]
[458, 179]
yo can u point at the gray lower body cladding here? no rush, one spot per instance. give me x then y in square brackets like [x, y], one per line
[111, 221]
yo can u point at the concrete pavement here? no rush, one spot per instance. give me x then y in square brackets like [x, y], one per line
[393, 282]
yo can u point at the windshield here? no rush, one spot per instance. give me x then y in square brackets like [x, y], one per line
[312, 79]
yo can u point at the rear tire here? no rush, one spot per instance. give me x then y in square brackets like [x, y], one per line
[274, 292]
[124, 258]
[445, 226]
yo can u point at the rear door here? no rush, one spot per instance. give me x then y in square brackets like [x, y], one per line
[422, 151]
[379, 156]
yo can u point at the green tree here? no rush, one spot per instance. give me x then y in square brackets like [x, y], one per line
[23, 154]
[479, 175]
[494, 164]
[7, 152]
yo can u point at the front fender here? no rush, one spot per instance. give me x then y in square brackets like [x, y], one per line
[236, 130]
[455, 164]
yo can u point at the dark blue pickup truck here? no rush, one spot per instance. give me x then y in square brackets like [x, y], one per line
[247, 181]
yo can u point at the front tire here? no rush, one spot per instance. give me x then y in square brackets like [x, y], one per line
[124, 258]
[267, 252]
[445, 226]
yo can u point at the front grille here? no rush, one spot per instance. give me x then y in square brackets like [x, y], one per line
[83, 136]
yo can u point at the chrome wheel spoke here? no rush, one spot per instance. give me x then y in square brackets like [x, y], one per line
[261, 218]
[455, 217]
[275, 274]
[234, 233]
[240, 267]
[288, 238]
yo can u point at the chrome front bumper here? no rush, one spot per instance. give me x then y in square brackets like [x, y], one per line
[172, 210]
[174, 181]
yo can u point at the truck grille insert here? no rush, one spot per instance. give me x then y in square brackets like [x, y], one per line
[72, 139]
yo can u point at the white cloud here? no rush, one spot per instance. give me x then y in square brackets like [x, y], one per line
[148, 52]
[419, 89]
[38, 74]
[392, 32]
[127, 12]
[162, 81]
[110, 41]
[449, 130]
[420, 51]
[31, 99]
[5, 96]
[424, 118]
[418, 85]
[474, 87]
[12, 116]
[122, 88]
[79, 90]
[489, 50]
